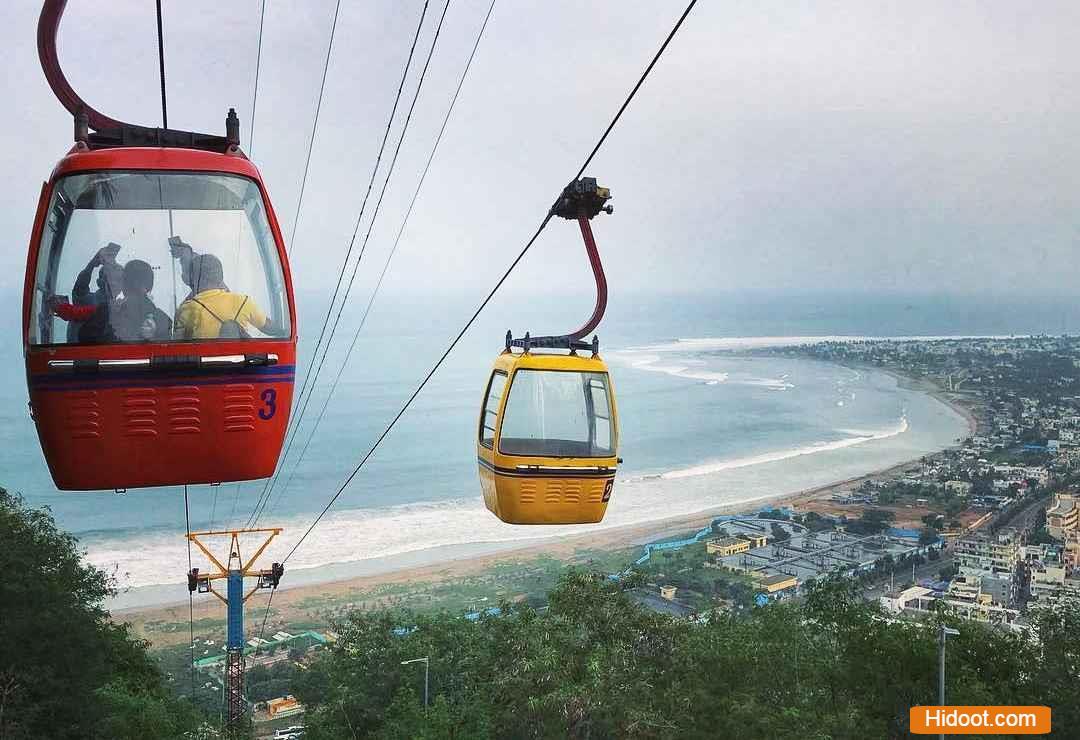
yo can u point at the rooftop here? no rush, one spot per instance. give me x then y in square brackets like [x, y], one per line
[729, 541]
[775, 580]
[1064, 505]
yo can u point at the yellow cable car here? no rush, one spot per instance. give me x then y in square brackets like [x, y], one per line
[548, 439]
[547, 442]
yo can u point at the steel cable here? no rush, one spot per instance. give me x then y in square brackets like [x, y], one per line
[356, 264]
[301, 399]
[484, 303]
[393, 251]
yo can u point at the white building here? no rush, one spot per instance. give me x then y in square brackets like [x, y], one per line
[895, 602]
[1052, 584]
[988, 566]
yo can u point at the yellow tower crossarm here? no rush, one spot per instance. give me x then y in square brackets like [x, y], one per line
[203, 582]
[194, 537]
[273, 532]
[234, 548]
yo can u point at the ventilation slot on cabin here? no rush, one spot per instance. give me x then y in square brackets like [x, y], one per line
[528, 491]
[595, 490]
[140, 412]
[562, 492]
[184, 410]
[84, 415]
[239, 408]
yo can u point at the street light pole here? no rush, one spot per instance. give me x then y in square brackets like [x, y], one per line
[426, 665]
[943, 632]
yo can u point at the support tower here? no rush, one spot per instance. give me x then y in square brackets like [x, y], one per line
[233, 571]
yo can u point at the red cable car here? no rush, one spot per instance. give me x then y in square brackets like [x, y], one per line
[158, 317]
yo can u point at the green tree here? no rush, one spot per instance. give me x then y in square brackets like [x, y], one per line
[67, 670]
[594, 664]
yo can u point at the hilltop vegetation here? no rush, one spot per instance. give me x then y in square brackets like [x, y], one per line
[592, 663]
[595, 665]
[66, 670]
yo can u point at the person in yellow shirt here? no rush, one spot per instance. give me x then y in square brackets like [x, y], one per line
[213, 311]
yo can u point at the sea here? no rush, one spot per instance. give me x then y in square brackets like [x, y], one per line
[703, 424]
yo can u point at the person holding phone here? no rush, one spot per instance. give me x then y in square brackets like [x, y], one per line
[84, 301]
[187, 256]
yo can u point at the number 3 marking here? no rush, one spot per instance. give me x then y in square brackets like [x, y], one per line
[269, 397]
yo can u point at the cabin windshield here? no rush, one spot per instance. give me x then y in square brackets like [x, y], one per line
[558, 414]
[141, 256]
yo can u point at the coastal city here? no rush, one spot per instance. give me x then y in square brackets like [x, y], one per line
[1000, 508]
[987, 530]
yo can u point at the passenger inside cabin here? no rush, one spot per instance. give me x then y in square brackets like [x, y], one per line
[109, 285]
[186, 255]
[131, 318]
[136, 318]
[213, 311]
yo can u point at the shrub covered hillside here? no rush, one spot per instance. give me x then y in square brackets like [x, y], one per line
[66, 671]
[595, 665]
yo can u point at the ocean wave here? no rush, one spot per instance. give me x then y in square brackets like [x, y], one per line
[856, 437]
[651, 364]
[640, 360]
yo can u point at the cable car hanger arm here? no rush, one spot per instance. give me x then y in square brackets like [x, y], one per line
[581, 200]
[48, 27]
[598, 276]
[109, 131]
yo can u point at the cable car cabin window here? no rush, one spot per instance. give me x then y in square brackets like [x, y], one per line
[557, 414]
[490, 415]
[157, 256]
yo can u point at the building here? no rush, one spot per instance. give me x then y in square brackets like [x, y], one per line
[725, 546]
[895, 602]
[1062, 516]
[284, 706]
[988, 553]
[1000, 589]
[988, 565]
[773, 585]
[979, 611]
[1071, 554]
[1052, 584]
[668, 592]
[974, 588]
[1042, 553]
[966, 588]
[756, 540]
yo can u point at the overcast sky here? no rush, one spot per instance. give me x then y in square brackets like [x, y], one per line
[902, 146]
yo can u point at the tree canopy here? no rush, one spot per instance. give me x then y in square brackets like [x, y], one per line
[66, 670]
[596, 665]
